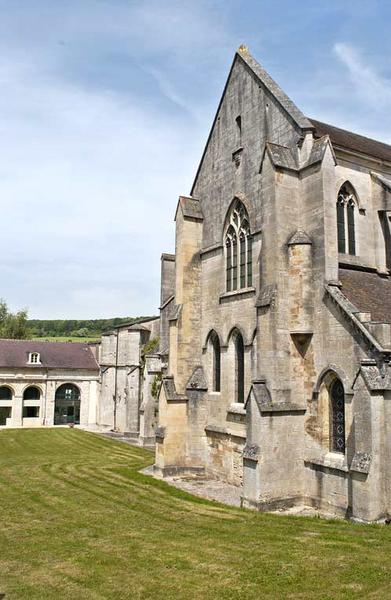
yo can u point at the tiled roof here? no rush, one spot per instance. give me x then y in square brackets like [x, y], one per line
[369, 292]
[353, 141]
[60, 355]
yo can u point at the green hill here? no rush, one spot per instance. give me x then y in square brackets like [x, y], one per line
[71, 329]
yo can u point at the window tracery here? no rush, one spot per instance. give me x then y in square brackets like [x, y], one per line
[238, 246]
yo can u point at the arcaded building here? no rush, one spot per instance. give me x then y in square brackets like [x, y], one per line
[276, 310]
[48, 383]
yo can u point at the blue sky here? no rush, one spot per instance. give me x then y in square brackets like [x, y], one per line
[105, 107]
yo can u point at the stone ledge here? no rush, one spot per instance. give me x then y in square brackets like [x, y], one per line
[237, 294]
[237, 409]
[224, 431]
[175, 470]
[328, 462]
[282, 407]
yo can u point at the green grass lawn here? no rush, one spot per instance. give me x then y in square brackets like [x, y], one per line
[79, 521]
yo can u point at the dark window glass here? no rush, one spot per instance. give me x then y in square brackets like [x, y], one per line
[239, 350]
[249, 261]
[5, 393]
[31, 393]
[351, 237]
[341, 227]
[5, 413]
[239, 263]
[242, 262]
[30, 412]
[229, 267]
[337, 417]
[67, 405]
[234, 265]
[216, 363]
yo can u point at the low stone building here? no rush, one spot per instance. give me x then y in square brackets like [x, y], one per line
[48, 383]
[276, 309]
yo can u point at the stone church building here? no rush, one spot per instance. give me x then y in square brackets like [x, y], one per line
[270, 364]
[276, 310]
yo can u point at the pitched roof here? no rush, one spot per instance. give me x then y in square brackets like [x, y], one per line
[369, 292]
[353, 141]
[60, 355]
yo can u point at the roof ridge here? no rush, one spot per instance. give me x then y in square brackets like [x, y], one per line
[365, 137]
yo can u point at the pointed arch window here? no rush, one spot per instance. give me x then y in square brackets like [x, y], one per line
[337, 421]
[238, 245]
[346, 207]
[239, 367]
[216, 362]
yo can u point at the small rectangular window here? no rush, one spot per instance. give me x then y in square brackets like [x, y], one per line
[30, 412]
[5, 413]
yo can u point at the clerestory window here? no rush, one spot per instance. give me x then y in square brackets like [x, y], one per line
[238, 248]
[346, 208]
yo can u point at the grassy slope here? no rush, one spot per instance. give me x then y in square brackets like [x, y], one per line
[79, 521]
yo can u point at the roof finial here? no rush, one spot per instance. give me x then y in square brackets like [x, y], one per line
[243, 49]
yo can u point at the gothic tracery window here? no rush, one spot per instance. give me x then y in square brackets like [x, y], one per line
[346, 205]
[238, 245]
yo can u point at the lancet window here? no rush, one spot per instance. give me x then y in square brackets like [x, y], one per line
[346, 207]
[337, 421]
[238, 246]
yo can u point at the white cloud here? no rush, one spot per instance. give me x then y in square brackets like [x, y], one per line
[374, 89]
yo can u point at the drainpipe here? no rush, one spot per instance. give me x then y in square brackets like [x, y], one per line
[115, 385]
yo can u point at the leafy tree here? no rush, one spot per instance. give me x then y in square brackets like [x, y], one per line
[13, 325]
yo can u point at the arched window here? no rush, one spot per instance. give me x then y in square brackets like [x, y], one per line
[216, 361]
[67, 404]
[31, 393]
[5, 411]
[5, 393]
[239, 367]
[337, 420]
[346, 205]
[238, 247]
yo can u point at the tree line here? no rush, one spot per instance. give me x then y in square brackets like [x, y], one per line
[17, 325]
[76, 327]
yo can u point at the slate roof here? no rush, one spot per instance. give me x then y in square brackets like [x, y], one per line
[353, 141]
[53, 355]
[369, 292]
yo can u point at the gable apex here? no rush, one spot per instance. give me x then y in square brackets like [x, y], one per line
[274, 89]
[243, 56]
